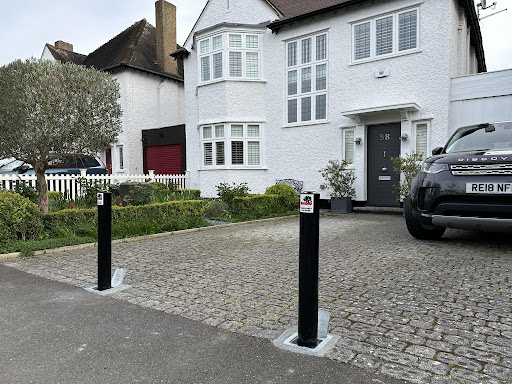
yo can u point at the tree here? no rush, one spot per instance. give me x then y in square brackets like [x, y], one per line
[50, 110]
[408, 166]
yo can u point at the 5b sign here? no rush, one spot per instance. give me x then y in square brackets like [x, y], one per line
[307, 203]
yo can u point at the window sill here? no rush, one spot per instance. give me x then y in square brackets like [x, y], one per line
[234, 169]
[307, 124]
[384, 57]
[231, 80]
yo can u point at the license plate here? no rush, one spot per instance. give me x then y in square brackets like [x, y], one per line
[489, 188]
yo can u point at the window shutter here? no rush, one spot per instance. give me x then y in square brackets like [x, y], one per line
[384, 35]
[422, 139]
[407, 30]
[208, 154]
[219, 153]
[237, 152]
[362, 41]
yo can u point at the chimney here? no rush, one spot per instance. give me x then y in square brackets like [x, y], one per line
[166, 36]
[63, 45]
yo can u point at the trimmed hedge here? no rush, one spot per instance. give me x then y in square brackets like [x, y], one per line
[259, 206]
[289, 195]
[170, 216]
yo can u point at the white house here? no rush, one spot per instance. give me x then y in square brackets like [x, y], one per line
[276, 88]
[152, 93]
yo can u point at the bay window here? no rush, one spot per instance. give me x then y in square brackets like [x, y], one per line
[306, 79]
[229, 55]
[231, 145]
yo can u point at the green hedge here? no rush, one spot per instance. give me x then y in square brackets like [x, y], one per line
[259, 206]
[170, 216]
[19, 218]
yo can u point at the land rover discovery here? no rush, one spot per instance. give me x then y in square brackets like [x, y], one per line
[466, 185]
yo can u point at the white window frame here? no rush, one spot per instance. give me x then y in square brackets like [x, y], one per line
[225, 50]
[313, 93]
[415, 128]
[373, 36]
[343, 143]
[227, 140]
[120, 158]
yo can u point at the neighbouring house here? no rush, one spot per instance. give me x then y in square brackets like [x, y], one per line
[152, 93]
[276, 88]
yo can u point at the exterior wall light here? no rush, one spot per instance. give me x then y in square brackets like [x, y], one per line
[358, 140]
[404, 137]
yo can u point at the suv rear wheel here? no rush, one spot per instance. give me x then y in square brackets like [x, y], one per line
[416, 229]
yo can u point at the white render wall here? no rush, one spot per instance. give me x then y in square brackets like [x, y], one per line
[300, 152]
[148, 102]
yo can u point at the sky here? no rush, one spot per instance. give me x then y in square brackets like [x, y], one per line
[87, 24]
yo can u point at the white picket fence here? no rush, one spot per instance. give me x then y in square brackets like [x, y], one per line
[69, 186]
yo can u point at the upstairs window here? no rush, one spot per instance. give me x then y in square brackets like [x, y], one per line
[229, 55]
[306, 79]
[385, 35]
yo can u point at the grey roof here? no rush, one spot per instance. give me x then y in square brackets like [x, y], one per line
[65, 56]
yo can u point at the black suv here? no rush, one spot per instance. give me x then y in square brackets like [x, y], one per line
[467, 184]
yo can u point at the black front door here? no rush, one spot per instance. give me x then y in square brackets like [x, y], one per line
[383, 144]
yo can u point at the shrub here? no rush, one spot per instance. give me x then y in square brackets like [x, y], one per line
[408, 166]
[287, 193]
[157, 186]
[54, 195]
[91, 188]
[20, 218]
[27, 191]
[339, 179]
[259, 206]
[214, 209]
[228, 192]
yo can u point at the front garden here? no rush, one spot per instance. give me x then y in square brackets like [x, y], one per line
[137, 210]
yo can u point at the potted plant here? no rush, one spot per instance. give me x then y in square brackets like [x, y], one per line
[341, 182]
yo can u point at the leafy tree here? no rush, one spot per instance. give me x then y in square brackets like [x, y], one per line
[408, 166]
[339, 178]
[50, 110]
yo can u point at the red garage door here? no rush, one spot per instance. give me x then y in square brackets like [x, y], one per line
[164, 160]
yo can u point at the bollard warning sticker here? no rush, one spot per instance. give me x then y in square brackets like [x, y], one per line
[306, 203]
[100, 198]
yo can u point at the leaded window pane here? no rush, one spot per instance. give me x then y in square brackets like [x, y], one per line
[292, 83]
[292, 111]
[204, 46]
[235, 41]
[321, 77]
[237, 130]
[235, 64]
[421, 139]
[217, 42]
[253, 153]
[217, 65]
[321, 107]
[237, 152]
[321, 47]
[251, 64]
[207, 132]
[251, 41]
[306, 51]
[362, 40]
[292, 54]
[384, 35]
[219, 131]
[253, 130]
[205, 68]
[407, 30]
[305, 107]
[306, 79]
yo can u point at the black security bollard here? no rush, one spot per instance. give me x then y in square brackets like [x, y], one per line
[104, 200]
[308, 269]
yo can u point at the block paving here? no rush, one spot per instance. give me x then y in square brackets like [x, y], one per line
[422, 311]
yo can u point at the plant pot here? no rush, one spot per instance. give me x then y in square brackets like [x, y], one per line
[341, 205]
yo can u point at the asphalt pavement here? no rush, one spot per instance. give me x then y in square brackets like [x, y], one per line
[51, 332]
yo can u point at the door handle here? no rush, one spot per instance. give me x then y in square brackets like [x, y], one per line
[384, 169]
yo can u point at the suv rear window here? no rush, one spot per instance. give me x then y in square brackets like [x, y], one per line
[497, 136]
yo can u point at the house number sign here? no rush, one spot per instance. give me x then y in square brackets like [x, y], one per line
[385, 136]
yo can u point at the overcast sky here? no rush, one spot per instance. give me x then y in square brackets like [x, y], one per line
[27, 25]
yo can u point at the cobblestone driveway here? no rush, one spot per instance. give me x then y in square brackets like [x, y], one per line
[426, 312]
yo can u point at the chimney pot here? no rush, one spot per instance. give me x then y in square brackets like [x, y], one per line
[63, 45]
[166, 36]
